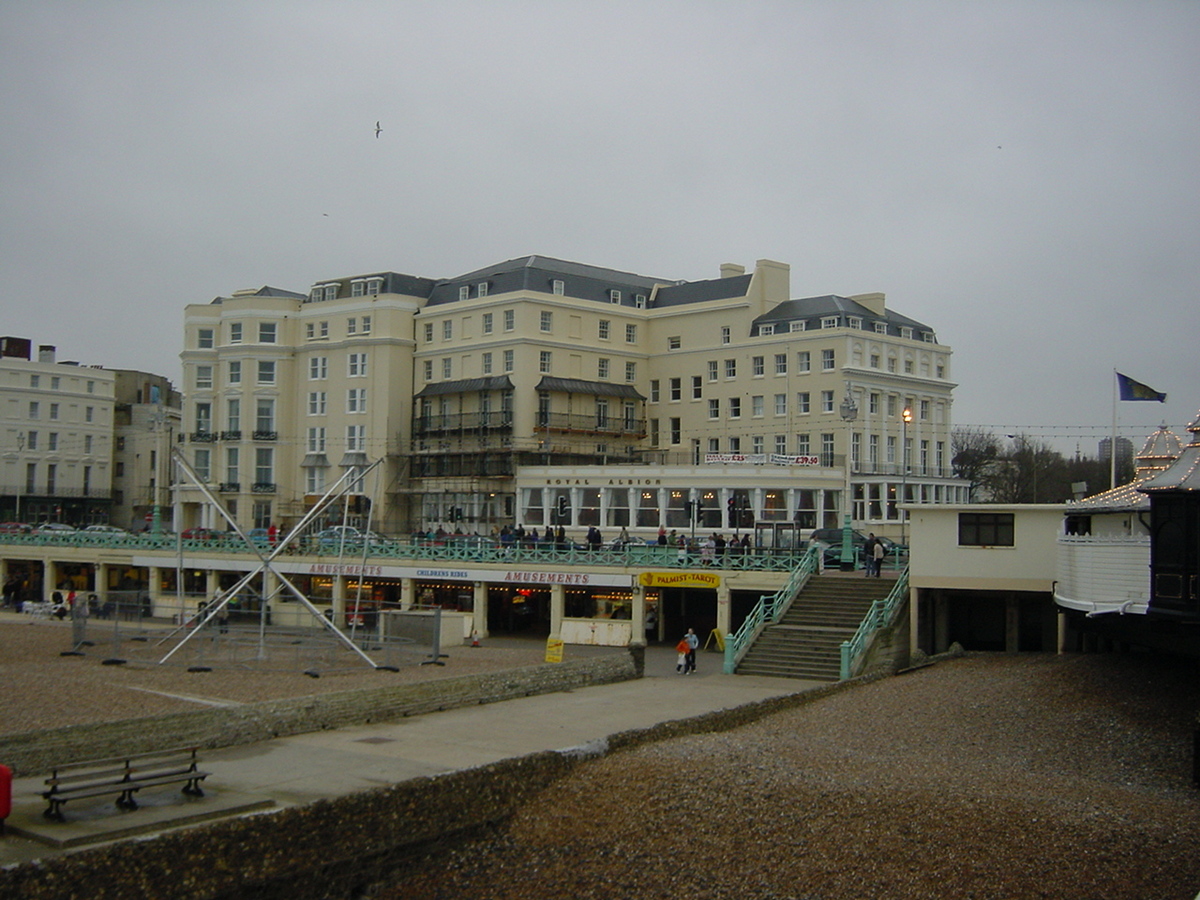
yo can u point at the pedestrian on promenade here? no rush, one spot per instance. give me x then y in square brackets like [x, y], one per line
[877, 554]
[869, 555]
[689, 659]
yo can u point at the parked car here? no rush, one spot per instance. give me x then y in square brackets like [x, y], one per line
[15, 528]
[104, 529]
[831, 540]
[259, 536]
[347, 535]
[55, 528]
[203, 534]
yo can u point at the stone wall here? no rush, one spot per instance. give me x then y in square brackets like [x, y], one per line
[339, 849]
[35, 753]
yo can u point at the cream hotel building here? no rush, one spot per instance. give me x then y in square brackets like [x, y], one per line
[542, 393]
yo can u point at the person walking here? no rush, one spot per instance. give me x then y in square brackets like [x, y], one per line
[689, 659]
[869, 555]
[877, 554]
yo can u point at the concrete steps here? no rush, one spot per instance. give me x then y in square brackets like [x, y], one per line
[806, 642]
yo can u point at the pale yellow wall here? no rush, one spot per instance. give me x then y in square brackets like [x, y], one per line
[939, 562]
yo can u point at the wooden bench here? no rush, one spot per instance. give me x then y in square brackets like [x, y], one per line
[123, 776]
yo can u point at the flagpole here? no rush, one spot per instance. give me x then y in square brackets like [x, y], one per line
[1112, 446]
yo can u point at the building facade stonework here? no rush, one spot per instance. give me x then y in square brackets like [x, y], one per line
[480, 393]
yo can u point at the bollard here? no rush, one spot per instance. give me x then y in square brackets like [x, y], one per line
[5, 795]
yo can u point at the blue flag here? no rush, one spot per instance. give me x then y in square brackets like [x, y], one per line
[1128, 389]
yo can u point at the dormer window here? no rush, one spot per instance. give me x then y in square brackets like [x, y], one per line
[928, 337]
[483, 289]
[856, 323]
[614, 296]
[558, 287]
[881, 327]
[829, 322]
[331, 291]
[766, 330]
[464, 292]
[906, 333]
[801, 325]
[640, 301]
[358, 287]
[374, 286]
[316, 294]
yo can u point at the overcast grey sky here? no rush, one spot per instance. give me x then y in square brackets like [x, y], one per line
[1020, 176]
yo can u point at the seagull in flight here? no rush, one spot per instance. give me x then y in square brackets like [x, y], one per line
[377, 130]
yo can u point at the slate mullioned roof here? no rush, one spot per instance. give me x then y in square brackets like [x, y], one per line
[538, 273]
[812, 309]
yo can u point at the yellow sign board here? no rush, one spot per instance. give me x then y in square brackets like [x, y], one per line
[680, 579]
[554, 650]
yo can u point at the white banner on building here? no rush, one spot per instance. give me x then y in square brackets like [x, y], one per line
[762, 459]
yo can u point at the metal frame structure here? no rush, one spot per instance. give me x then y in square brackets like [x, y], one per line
[333, 493]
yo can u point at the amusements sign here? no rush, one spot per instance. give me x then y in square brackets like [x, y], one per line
[554, 650]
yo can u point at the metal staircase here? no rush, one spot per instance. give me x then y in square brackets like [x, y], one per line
[806, 642]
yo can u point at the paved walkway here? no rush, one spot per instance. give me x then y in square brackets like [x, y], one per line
[302, 769]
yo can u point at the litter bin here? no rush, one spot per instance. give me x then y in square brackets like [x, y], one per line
[5, 795]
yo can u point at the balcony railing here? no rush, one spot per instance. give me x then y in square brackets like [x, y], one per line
[468, 422]
[203, 437]
[616, 426]
[263, 487]
[231, 435]
[229, 487]
[265, 435]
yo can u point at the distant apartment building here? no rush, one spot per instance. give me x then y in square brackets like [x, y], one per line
[479, 394]
[145, 426]
[56, 422]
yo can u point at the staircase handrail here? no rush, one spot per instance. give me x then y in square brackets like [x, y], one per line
[879, 616]
[769, 609]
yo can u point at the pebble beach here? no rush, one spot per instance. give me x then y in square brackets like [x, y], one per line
[991, 777]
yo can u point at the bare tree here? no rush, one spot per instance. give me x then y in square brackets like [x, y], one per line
[973, 452]
[1028, 471]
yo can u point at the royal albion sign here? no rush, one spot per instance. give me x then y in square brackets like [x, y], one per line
[680, 579]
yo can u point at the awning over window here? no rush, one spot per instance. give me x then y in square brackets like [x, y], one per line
[467, 385]
[314, 460]
[592, 388]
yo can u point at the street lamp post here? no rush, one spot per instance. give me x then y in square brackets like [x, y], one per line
[907, 416]
[849, 412]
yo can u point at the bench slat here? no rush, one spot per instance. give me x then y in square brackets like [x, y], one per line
[98, 778]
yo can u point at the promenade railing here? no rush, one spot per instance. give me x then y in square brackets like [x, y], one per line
[770, 609]
[453, 549]
[878, 617]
